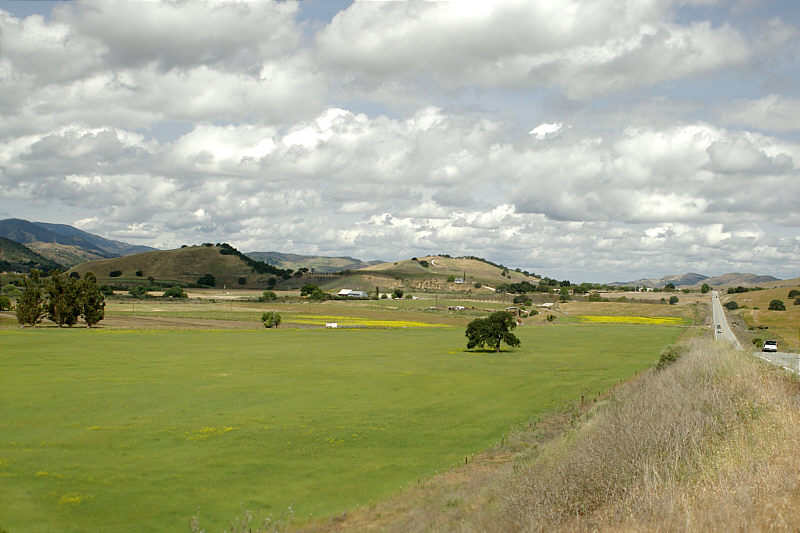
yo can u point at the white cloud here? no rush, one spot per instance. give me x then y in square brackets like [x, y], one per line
[545, 130]
[404, 128]
[771, 113]
[585, 49]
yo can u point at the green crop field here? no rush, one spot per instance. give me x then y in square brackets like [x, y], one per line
[140, 430]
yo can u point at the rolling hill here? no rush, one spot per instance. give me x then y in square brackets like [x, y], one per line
[64, 244]
[183, 266]
[439, 268]
[235, 270]
[15, 257]
[317, 263]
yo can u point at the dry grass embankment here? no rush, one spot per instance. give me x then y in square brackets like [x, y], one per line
[706, 444]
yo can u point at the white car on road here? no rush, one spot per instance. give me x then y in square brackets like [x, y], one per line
[770, 346]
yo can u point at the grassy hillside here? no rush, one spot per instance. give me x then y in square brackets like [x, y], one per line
[439, 268]
[62, 243]
[184, 265]
[16, 257]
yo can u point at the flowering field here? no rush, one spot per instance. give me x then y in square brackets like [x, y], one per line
[113, 430]
[650, 320]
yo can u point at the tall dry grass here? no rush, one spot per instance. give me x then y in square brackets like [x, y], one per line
[709, 443]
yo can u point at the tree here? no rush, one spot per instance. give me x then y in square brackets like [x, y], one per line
[268, 296]
[91, 301]
[307, 289]
[563, 294]
[5, 303]
[492, 331]
[271, 319]
[207, 280]
[175, 292]
[669, 287]
[318, 295]
[794, 293]
[62, 300]
[731, 306]
[30, 304]
[138, 291]
[673, 300]
[705, 288]
[241, 281]
[776, 305]
[398, 293]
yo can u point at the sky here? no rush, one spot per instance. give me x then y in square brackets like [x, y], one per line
[590, 140]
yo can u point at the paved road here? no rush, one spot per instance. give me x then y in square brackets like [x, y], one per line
[789, 361]
[721, 329]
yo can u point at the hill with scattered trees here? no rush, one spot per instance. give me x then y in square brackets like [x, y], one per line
[212, 265]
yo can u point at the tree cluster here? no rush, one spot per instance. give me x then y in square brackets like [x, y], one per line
[62, 299]
[259, 267]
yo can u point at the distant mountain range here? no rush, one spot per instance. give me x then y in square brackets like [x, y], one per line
[691, 279]
[63, 244]
[317, 263]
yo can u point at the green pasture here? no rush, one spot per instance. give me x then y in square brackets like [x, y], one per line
[104, 430]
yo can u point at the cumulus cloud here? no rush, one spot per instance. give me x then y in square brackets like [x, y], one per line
[583, 49]
[622, 173]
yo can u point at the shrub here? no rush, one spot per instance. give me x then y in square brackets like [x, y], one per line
[669, 354]
[757, 341]
[139, 273]
[451, 279]
[175, 292]
[241, 281]
[776, 305]
[522, 300]
[115, 274]
[207, 280]
[384, 296]
[318, 294]
[673, 300]
[138, 291]
[731, 306]
[424, 263]
[477, 285]
[794, 293]
[267, 296]
[271, 319]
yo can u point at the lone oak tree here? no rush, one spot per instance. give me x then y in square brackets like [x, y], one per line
[491, 331]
